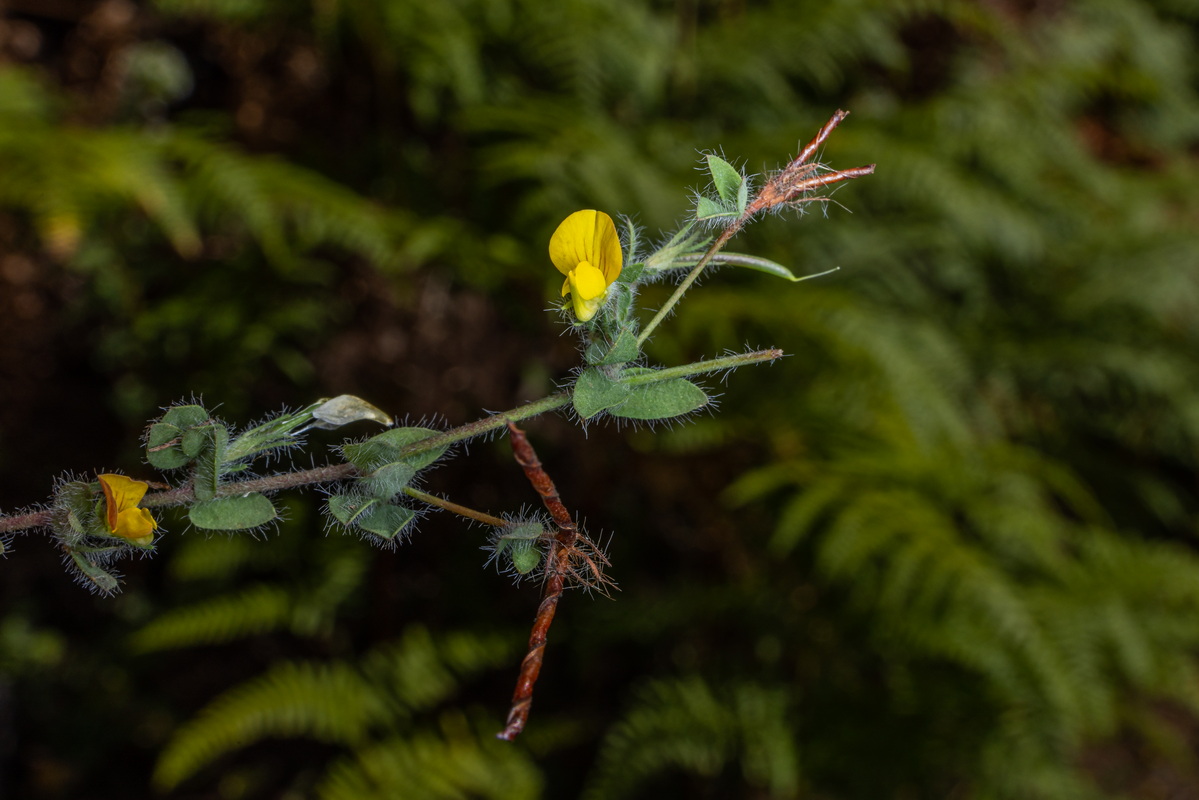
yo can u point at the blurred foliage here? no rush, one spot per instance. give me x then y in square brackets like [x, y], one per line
[954, 553]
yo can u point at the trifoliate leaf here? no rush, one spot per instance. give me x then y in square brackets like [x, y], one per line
[177, 438]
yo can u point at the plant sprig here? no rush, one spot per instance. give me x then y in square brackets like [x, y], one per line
[371, 489]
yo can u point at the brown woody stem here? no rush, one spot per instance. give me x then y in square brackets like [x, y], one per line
[557, 566]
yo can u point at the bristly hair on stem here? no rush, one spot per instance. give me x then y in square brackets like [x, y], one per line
[789, 187]
[795, 182]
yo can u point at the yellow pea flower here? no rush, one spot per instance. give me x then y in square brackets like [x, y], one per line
[586, 249]
[122, 516]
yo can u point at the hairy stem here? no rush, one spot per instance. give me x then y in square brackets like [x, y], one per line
[332, 473]
[327, 474]
[682, 288]
[455, 508]
[703, 367]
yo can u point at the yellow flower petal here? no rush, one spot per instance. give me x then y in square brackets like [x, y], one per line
[587, 282]
[587, 236]
[588, 290]
[137, 525]
[121, 514]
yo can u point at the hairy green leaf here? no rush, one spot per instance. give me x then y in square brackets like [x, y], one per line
[623, 350]
[388, 448]
[661, 400]
[386, 521]
[594, 392]
[726, 178]
[233, 513]
[708, 209]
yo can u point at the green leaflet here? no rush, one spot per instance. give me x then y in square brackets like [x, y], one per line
[661, 399]
[765, 265]
[233, 513]
[191, 443]
[346, 508]
[708, 209]
[732, 188]
[520, 545]
[187, 416]
[370, 514]
[631, 273]
[211, 461]
[623, 350]
[387, 448]
[594, 392]
[388, 480]
[385, 472]
[525, 556]
[101, 579]
[728, 181]
[386, 521]
[162, 450]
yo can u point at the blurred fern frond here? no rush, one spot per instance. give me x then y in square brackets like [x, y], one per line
[305, 607]
[71, 179]
[450, 764]
[683, 725]
[335, 702]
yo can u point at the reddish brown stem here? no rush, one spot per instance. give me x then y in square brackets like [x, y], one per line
[530, 667]
[800, 177]
[819, 138]
[34, 519]
[557, 566]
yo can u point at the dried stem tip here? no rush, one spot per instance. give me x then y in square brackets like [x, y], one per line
[800, 177]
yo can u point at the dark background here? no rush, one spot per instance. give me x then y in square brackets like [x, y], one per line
[944, 549]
